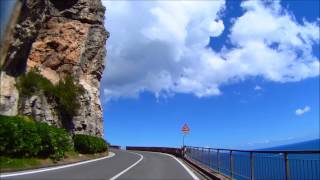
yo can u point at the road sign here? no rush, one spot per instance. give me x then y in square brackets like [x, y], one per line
[185, 128]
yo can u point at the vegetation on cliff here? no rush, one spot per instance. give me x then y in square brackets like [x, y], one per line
[65, 92]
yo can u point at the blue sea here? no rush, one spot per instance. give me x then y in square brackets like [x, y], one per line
[265, 165]
[306, 145]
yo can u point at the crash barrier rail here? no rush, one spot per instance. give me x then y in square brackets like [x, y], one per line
[114, 147]
[259, 164]
[168, 150]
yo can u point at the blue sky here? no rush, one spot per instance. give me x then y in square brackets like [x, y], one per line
[242, 75]
[5, 8]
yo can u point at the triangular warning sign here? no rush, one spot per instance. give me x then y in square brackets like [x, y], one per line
[185, 128]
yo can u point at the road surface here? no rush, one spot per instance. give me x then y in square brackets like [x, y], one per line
[124, 165]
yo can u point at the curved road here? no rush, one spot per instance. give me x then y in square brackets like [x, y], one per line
[124, 165]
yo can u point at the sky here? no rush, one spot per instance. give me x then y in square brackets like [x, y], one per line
[240, 74]
[6, 7]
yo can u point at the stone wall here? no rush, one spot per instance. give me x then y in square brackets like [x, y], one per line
[59, 38]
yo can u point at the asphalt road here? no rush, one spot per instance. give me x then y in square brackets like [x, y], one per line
[124, 165]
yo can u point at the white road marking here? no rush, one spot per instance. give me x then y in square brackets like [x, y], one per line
[128, 168]
[111, 154]
[182, 164]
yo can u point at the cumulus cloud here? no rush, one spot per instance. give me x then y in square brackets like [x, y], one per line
[301, 111]
[257, 88]
[161, 47]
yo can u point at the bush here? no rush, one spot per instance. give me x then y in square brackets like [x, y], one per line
[89, 144]
[32, 82]
[54, 141]
[66, 91]
[18, 137]
[22, 137]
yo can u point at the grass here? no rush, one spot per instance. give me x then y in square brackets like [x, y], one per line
[17, 163]
[8, 164]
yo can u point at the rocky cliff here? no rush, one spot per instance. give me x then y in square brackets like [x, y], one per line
[59, 38]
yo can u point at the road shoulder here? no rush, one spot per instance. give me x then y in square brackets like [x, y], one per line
[38, 170]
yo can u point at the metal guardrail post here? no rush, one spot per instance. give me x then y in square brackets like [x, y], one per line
[202, 156]
[198, 155]
[251, 166]
[286, 161]
[209, 158]
[218, 163]
[231, 165]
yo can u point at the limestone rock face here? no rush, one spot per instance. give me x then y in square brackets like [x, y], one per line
[58, 48]
[40, 108]
[9, 95]
[59, 38]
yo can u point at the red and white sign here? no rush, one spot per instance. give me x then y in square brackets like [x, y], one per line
[185, 129]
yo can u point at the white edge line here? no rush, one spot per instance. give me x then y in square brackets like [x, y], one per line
[182, 164]
[128, 168]
[111, 154]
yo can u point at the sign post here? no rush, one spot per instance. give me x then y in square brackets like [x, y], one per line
[185, 129]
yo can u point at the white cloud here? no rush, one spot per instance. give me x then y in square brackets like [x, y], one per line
[160, 46]
[257, 88]
[301, 111]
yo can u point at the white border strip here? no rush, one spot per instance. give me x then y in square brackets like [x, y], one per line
[111, 154]
[182, 164]
[128, 168]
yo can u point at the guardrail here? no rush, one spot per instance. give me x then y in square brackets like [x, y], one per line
[244, 164]
[168, 150]
[115, 147]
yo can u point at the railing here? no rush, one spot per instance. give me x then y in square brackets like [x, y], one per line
[168, 150]
[114, 147]
[243, 164]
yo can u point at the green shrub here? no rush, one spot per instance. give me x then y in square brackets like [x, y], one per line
[54, 141]
[22, 137]
[32, 82]
[18, 137]
[65, 92]
[89, 144]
